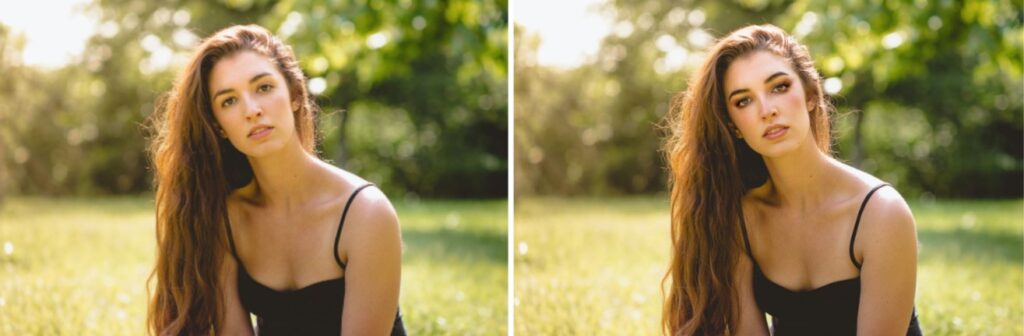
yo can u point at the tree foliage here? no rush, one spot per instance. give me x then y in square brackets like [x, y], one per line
[928, 91]
[412, 93]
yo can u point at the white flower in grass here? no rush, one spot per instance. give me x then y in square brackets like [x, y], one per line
[8, 248]
[523, 248]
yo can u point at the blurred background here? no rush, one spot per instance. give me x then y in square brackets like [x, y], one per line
[928, 97]
[413, 95]
[928, 93]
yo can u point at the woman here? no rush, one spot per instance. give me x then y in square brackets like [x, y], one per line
[765, 220]
[249, 220]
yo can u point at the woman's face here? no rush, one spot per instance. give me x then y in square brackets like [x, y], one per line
[252, 104]
[766, 102]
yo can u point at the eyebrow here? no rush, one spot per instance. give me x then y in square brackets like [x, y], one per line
[254, 78]
[770, 78]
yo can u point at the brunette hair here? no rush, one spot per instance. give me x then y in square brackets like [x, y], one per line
[711, 170]
[195, 171]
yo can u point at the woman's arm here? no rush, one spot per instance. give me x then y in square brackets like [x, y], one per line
[748, 316]
[234, 321]
[372, 243]
[889, 271]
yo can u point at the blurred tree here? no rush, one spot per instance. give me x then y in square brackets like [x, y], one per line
[10, 48]
[424, 84]
[40, 135]
[562, 138]
[928, 92]
[433, 71]
[606, 139]
[932, 85]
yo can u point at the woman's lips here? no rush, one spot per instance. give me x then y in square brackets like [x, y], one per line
[260, 133]
[775, 132]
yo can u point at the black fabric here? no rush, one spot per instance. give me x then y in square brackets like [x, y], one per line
[312, 310]
[827, 310]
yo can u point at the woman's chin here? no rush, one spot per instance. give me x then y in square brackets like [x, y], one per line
[776, 150]
[262, 149]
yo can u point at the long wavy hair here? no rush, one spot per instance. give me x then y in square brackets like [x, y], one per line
[711, 170]
[195, 171]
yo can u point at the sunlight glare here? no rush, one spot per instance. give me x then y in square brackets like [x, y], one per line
[833, 85]
[570, 31]
[48, 44]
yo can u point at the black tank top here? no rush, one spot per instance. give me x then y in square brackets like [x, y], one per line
[827, 310]
[312, 310]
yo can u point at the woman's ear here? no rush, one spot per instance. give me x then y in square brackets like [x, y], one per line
[295, 105]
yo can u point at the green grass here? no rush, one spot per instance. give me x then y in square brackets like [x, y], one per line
[79, 266]
[594, 266]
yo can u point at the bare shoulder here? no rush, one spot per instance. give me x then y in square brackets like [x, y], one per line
[374, 208]
[887, 206]
[886, 223]
[885, 203]
[370, 211]
[371, 230]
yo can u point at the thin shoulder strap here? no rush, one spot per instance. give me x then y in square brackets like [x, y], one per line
[853, 237]
[337, 236]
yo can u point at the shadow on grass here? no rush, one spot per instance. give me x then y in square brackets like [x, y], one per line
[962, 243]
[455, 245]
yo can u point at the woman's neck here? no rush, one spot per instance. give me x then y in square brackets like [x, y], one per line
[802, 179]
[286, 177]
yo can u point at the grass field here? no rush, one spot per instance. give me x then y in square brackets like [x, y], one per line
[594, 267]
[79, 266]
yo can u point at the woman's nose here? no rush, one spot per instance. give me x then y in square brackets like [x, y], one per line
[252, 109]
[768, 110]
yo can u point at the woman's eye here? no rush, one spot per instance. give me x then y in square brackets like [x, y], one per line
[781, 87]
[264, 88]
[743, 102]
[227, 102]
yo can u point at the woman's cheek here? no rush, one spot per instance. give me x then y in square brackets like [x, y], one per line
[793, 99]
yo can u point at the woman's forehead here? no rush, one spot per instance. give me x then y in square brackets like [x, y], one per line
[238, 69]
[751, 70]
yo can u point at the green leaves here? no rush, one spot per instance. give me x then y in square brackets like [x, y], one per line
[439, 65]
[947, 68]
